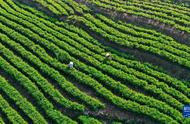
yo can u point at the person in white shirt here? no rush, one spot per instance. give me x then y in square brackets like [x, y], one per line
[108, 56]
[71, 64]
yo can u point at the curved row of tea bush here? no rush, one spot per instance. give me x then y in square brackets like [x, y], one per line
[139, 32]
[124, 104]
[134, 10]
[66, 86]
[60, 8]
[42, 102]
[28, 55]
[11, 114]
[89, 120]
[138, 43]
[36, 77]
[21, 102]
[33, 37]
[68, 46]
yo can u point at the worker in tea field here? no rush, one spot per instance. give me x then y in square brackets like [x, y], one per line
[108, 56]
[71, 64]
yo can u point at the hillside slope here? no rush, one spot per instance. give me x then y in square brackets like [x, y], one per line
[144, 80]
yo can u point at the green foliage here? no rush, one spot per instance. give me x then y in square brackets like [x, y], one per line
[48, 46]
[140, 10]
[21, 102]
[88, 120]
[1, 121]
[12, 115]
